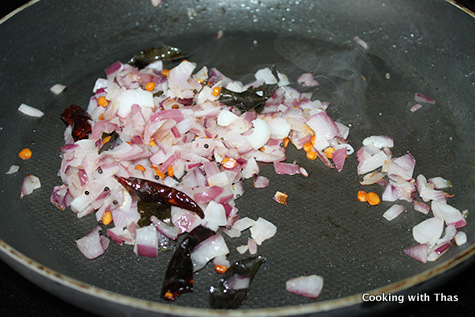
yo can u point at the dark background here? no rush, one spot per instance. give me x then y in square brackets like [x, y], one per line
[19, 297]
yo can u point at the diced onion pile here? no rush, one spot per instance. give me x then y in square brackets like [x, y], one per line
[437, 233]
[176, 132]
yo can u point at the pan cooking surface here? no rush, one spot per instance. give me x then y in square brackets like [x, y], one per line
[323, 230]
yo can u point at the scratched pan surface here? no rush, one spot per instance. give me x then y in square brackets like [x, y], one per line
[423, 46]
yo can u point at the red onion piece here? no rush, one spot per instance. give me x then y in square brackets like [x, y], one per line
[339, 157]
[307, 80]
[451, 215]
[93, 244]
[146, 241]
[286, 168]
[30, 183]
[207, 250]
[418, 252]
[423, 98]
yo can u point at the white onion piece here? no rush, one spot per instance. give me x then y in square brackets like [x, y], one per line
[265, 75]
[394, 211]
[93, 244]
[13, 169]
[146, 241]
[309, 286]
[226, 117]
[262, 230]
[57, 89]
[207, 250]
[260, 135]
[30, 111]
[279, 128]
[451, 215]
[371, 163]
[244, 223]
[283, 80]
[379, 141]
[215, 216]
[372, 178]
[418, 252]
[126, 98]
[460, 238]
[30, 183]
[429, 230]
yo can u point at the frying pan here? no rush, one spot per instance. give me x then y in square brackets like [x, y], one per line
[414, 47]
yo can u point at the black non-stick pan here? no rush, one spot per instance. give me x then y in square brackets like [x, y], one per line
[423, 46]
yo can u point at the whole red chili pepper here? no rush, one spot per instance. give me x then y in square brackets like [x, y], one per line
[154, 192]
[78, 118]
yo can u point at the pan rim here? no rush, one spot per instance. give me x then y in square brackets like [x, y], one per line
[6, 251]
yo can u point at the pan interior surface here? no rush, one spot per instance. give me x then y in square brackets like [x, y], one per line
[323, 229]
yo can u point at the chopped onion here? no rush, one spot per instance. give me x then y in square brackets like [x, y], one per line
[30, 183]
[309, 286]
[307, 80]
[394, 211]
[423, 98]
[439, 182]
[418, 252]
[265, 75]
[379, 141]
[260, 135]
[244, 223]
[30, 111]
[451, 215]
[429, 230]
[57, 89]
[146, 241]
[460, 238]
[93, 244]
[262, 230]
[359, 41]
[13, 169]
[416, 107]
[204, 252]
